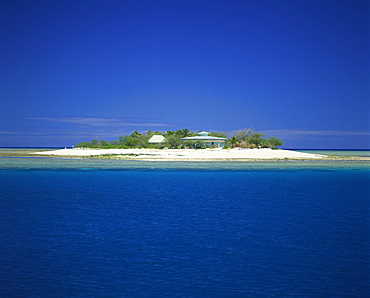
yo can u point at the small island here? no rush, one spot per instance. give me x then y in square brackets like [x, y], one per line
[184, 145]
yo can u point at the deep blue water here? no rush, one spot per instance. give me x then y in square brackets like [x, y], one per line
[184, 233]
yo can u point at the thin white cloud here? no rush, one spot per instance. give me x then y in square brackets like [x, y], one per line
[302, 132]
[9, 132]
[76, 136]
[99, 121]
[20, 133]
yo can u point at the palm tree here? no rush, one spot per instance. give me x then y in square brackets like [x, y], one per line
[234, 141]
[149, 133]
[183, 132]
[170, 133]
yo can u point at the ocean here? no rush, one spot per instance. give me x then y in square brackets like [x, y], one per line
[336, 152]
[111, 228]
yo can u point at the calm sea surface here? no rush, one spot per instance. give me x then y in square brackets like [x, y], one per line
[343, 152]
[110, 228]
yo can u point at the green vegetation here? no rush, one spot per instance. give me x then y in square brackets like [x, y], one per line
[243, 138]
[248, 138]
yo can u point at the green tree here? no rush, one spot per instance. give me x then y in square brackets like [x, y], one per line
[150, 133]
[189, 143]
[232, 142]
[135, 134]
[142, 141]
[200, 144]
[131, 141]
[104, 143]
[218, 134]
[136, 139]
[186, 132]
[243, 134]
[255, 139]
[170, 133]
[172, 141]
[94, 142]
[274, 142]
[183, 133]
[83, 144]
[122, 140]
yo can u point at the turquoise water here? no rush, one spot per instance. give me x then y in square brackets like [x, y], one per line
[339, 152]
[113, 228]
[29, 148]
[322, 151]
[65, 163]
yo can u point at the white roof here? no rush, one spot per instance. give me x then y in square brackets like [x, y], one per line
[204, 138]
[203, 135]
[156, 139]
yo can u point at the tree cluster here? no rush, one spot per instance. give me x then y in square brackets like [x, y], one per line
[244, 138]
[248, 138]
[141, 140]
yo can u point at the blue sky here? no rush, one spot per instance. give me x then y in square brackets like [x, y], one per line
[75, 70]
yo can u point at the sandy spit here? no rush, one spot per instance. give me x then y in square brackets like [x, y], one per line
[185, 154]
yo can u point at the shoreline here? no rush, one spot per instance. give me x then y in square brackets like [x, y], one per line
[183, 154]
[191, 154]
[228, 155]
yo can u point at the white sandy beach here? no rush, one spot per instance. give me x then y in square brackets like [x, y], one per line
[187, 154]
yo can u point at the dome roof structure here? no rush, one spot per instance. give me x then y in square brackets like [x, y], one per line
[203, 133]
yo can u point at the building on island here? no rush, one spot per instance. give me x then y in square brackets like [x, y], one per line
[156, 139]
[209, 141]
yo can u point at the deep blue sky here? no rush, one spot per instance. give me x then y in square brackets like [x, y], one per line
[74, 70]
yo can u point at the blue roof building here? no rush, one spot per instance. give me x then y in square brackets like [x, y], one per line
[209, 141]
